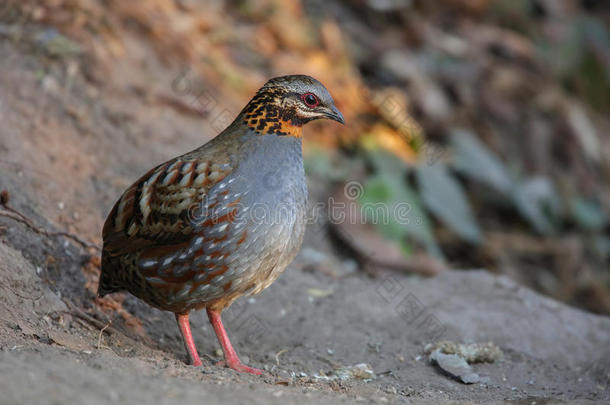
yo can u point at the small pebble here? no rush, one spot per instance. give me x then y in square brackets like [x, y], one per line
[284, 375]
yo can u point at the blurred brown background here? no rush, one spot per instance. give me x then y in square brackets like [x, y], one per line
[489, 118]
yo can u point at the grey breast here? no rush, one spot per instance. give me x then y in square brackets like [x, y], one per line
[269, 185]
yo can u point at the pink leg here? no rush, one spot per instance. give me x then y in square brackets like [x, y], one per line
[187, 336]
[231, 360]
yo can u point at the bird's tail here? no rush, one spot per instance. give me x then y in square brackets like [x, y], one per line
[107, 283]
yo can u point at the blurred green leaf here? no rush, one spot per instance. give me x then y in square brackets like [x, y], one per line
[376, 190]
[444, 197]
[404, 218]
[587, 214]
[318, 162]
[385, 162]
[475, 160]
[537, 201]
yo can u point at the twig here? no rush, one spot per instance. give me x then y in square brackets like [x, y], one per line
[278, 354]
[105, 327]
[88, 319]
[74, 310]
[12, 213]
[99, 338]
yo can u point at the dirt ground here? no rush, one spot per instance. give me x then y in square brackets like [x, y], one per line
[68, 148]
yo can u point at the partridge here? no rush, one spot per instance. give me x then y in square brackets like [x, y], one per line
[221, 221]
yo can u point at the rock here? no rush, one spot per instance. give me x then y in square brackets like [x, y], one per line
[455, 366]
[472, 353]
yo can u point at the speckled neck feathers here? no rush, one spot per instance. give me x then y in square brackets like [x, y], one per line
[271, 112]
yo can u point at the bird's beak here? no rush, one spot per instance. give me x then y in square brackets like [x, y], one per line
[334, 114]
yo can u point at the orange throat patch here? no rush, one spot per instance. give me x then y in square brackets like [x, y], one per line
[272, 125]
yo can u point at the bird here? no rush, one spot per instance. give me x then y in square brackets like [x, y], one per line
[221, 221]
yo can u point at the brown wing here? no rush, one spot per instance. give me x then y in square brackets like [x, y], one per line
[156, 210]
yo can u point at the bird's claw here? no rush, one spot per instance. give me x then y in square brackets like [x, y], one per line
[239, 366]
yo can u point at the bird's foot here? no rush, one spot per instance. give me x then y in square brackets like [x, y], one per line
[239, 366]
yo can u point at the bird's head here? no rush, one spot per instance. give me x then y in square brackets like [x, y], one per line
[284, 104]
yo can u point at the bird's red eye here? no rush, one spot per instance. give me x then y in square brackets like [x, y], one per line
[310, 100]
